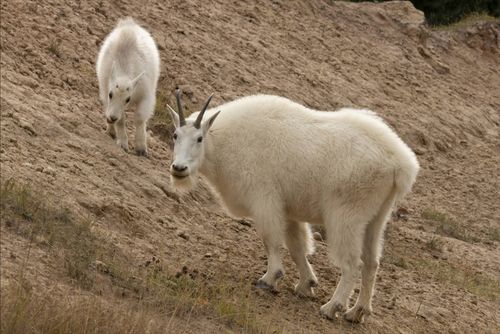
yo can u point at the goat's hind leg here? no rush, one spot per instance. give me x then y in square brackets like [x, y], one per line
[372, 249]
[345, 232]
[299, 242]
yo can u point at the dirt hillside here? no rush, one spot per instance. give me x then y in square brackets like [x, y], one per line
[439, 88]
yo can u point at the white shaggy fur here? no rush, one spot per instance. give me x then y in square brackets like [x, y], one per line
[128, 68]
[283, 164]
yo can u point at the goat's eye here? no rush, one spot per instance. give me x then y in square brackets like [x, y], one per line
[200, 139]
[175, 136]
[110, 95]
[127, 100]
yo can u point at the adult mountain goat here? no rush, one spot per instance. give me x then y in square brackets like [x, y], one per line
[283, 165]
[128, 68]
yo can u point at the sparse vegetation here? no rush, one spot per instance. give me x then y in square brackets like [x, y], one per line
[55, 48]
[468, 21]
[474, 282]
[145, 296]
[495, 234]
[447, 226]
[435, 244]
[50, 225]
[161, 122]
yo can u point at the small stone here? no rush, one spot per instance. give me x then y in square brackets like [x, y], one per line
[420, 151]
[317, 236]
[39, 169]
[101, 267]
[208, 255]
[63, 164]
[50, 171]
[402, 213]
[28, 127]
[183, 235]
[244, 222]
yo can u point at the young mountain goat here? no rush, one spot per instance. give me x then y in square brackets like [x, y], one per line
[128, 68]
[283, 165]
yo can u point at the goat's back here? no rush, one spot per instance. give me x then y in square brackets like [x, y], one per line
[269, 143]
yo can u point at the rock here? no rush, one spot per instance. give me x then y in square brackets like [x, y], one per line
[50, 171]
[101, 267]
[183, 235]
[27, 126]
[244, 222]
[208, 255]
[402, 213]
[420, 151]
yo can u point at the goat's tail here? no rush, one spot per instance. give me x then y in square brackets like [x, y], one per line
[405, 175]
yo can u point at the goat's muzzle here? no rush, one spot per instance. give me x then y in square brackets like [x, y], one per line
[111, 119]
[179, 171]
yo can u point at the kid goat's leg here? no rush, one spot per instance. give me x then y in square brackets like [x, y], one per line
[144, 112]
[110, 130]
[299, 242]
[121, 133]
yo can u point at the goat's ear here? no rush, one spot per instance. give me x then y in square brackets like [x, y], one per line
[136, 79]
[208, 123]
[175, 116]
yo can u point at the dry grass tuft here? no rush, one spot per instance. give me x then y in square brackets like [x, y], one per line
[474, 282]
[447, 226]
[161, 122]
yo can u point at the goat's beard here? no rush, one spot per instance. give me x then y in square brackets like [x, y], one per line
[184, 184]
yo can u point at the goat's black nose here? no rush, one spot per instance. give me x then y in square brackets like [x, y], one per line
[112, 119]
[179, 168]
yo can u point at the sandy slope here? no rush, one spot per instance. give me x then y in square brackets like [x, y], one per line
[439, 89]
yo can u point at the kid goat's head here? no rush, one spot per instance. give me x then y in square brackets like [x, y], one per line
[189, 144]
[121, 88]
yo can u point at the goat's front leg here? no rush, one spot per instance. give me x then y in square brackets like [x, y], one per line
[121, 133]
[269, 227]
[144, 112]
[110, 130]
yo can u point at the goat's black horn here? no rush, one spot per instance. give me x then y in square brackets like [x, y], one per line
[197, 123]
[182, 120]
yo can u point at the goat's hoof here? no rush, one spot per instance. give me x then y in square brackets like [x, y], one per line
[332, 310]
[142, 152]
[123, 145]
[357, 314]
[261, 284]
[306, 290]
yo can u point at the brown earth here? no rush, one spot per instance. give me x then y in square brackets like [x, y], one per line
[438, 88]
